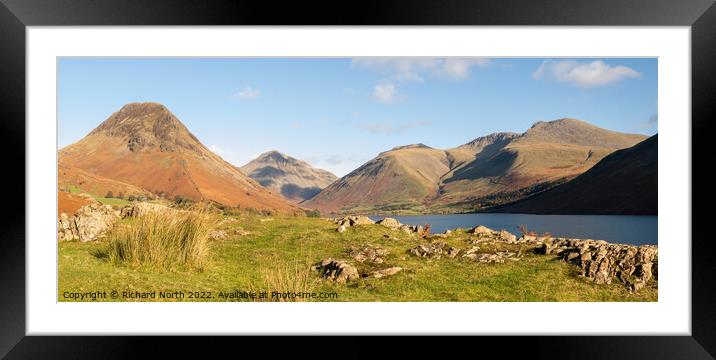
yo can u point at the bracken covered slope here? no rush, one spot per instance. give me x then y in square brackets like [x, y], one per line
[145, 145]
[294, 179]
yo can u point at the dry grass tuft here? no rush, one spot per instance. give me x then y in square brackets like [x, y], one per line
[163, 239]
[289, 283]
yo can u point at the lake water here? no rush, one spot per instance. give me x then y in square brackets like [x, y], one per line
[621, 229]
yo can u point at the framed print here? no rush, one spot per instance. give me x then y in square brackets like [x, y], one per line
[469, 171]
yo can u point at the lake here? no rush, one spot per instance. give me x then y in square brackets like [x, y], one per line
[621, 229]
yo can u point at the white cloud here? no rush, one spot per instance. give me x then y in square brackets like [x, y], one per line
[415, 69]
[591, 74]
[248, 93]
[386, 127]
[385, 93]
[296, 125]
[654, 119]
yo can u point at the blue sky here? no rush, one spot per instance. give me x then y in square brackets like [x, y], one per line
[339, 113]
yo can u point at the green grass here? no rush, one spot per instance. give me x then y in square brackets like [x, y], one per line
[74, 189]
[112, 201]
[276, 255]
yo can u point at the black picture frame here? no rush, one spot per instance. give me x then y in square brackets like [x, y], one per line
[16, 15]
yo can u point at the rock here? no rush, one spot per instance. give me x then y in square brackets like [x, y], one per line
[385, 272]
[91, 222]
[228, 220]
[369, 253]
[480, 230]
[338, 271]
[602, 262]
[141, 208]
[484, 233]
[452, 252]
[218, 235]
[390, 223]
[341, 229]
[507, 236]
[241, 232]
[447, 232]
[349, 221]
[361, 220]
[434, 250]
[496, 258]
[423, 232]
[406, 229]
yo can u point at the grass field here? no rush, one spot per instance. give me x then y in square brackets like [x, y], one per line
[277, 249]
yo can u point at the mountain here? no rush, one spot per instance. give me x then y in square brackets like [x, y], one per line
[145, 145]
[294, 179]
[624, 182]
[489, 170]
[547, 152]
[402, 177]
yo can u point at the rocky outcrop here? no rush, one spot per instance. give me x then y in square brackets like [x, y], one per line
[434, 250]
[336, 270]
[369, 253]
[482, 233]
[390, 223]
[89, 223]
[603, 263]
[354, 220]
[345, 222]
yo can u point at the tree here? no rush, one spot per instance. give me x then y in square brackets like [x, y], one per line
[130, 198]
[109, 195]
[120, 195]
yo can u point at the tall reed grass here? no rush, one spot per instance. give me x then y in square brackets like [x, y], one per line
[297, 277]
[163, 238]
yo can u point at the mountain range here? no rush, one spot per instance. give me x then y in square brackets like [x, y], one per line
[500, 167]
[144, 149]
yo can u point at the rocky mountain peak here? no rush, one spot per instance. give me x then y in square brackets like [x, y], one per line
[148, 126]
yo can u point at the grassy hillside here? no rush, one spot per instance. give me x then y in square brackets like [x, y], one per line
[399, 178]
[277, 250]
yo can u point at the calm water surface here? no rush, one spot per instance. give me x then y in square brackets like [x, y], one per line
[621, 229]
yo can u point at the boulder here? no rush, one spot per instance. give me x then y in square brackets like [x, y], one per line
[434, 250]
[341, 229]
[390, 223]
[338, 271]
[368, 253]
[89, 223]
[482, 233]
[378, 274]
[481, 230]
[349, 221]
